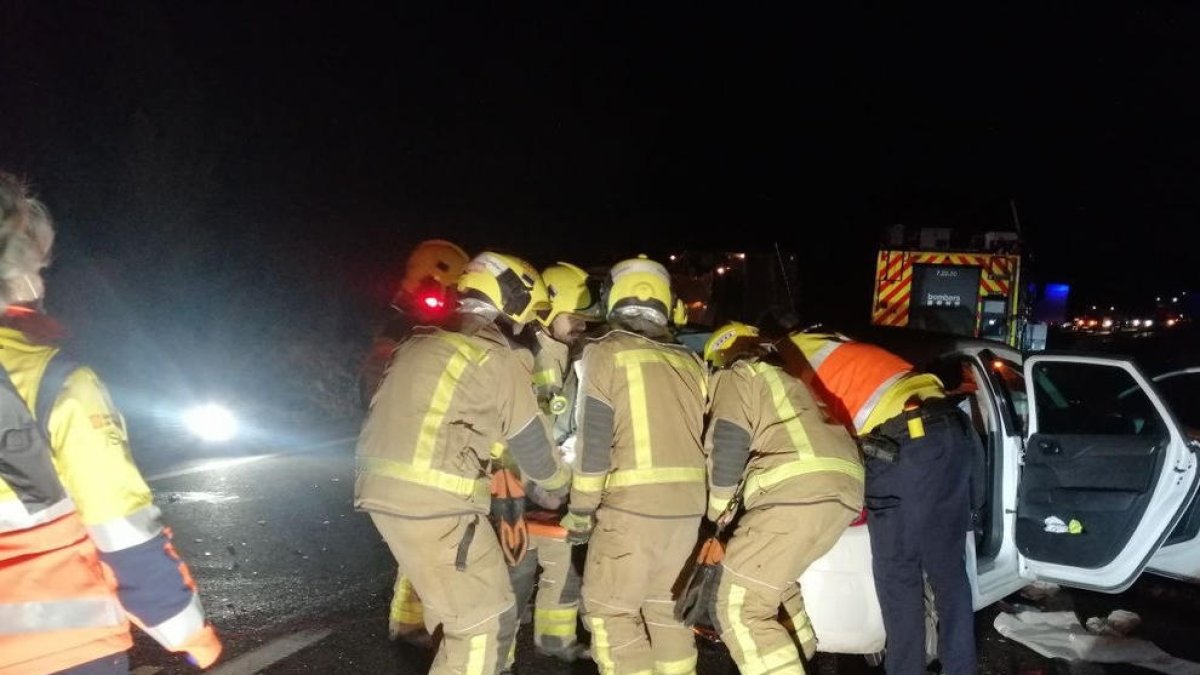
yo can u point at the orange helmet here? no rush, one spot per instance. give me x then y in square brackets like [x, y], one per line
[433, 259]
[430, 273]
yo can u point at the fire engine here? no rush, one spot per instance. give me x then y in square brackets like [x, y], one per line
[937, 283]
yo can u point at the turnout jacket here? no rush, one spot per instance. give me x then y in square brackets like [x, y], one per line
[449, 404]
[639, 443]
[767, 427]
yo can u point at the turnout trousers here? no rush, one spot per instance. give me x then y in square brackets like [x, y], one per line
[918, 515]
[406, 617]
[549, 565]
[455, 564]
[633, 562]
[770, 548]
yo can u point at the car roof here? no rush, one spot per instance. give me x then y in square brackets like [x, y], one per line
[919, 347]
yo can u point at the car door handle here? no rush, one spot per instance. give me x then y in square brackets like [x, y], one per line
[1049, 447]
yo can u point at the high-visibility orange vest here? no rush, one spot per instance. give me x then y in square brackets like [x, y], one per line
[865, 384]
[58, 604]
[83, 552]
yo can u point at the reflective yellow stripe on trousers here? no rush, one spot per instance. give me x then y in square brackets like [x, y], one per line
[601, 647]
[555, 622]
[476, 654]
[782, 661]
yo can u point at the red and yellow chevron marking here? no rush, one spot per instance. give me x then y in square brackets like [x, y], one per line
[893, 279]
[893, 288]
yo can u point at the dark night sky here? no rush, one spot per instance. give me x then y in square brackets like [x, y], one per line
[345, 132]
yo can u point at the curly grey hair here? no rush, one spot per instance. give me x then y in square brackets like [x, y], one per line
[26, 236]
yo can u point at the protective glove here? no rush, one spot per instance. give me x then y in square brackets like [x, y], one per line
[543, 498]
[578, 526]
[561, 482]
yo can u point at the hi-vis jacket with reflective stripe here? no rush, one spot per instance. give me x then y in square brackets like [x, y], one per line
[447, 401]
[640, 421]
[765, 425]
[82, 549]
[866, 384]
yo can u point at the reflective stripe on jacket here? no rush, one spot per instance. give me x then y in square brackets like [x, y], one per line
[640, 420]
[82, 549]
[447, 401]
[799, 455]
[866, 384]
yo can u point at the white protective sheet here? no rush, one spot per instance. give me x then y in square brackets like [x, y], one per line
[1060, 635]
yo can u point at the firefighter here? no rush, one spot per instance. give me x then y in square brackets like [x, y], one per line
[800, 489]
[83, 551]
[572, 306]
[451, 397]
[640, 474]
[425, 298]
[919, 450]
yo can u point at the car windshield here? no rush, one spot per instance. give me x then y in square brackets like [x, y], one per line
[1009, 376]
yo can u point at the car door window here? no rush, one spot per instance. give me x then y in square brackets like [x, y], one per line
[1182, 393]
[1083, 399]
[1009, 382]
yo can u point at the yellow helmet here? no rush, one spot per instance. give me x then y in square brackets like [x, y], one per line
[567, 285]
[642, 286]
[507, 283]
[435, 259]
[722, 344]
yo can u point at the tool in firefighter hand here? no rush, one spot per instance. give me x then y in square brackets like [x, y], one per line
[699, 593]
[508, 515]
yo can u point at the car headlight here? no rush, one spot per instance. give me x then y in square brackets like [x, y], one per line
[211, 422]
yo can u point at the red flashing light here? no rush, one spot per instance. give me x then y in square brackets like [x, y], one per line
[432, 302]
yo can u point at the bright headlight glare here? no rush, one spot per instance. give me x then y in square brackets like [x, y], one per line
[211, 422]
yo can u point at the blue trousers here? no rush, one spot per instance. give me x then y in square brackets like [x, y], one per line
[918, 516]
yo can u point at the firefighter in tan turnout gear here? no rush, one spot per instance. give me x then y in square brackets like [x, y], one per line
[450, 397]
[802, 485]
[426, 298]
[555, 616]
[640, 475]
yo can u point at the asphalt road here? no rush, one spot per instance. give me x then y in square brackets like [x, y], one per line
[297, 582]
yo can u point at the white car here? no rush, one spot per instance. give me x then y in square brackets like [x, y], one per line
[1070, 437]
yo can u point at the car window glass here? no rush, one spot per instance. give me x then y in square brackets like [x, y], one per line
[1092, 399]
[1182, 394]
[1012, 382]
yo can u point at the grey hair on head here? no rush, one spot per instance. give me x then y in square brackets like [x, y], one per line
[26, 237]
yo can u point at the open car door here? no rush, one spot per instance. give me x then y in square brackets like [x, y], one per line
[1106, 475]
[1179, 556]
